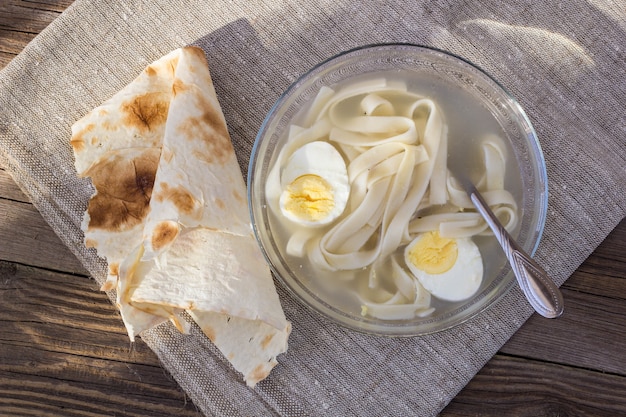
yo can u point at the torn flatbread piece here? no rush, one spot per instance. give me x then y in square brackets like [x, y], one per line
[251, 346]
[169, 214]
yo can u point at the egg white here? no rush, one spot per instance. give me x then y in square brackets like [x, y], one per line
[323, 160]
[458, 283]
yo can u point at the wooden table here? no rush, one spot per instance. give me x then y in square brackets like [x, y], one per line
[64, 350]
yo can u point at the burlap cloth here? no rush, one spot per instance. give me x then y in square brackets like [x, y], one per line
[564, 61]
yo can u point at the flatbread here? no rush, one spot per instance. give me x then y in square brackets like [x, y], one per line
[239, 309]
[229, 269]
[116, 214]
[251, 346]
[134, 117]
[198, 182]
[118, 144]
[169, 214]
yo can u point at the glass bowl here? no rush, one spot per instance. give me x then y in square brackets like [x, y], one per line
[466, 95]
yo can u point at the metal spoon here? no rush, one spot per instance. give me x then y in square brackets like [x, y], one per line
[541, 292]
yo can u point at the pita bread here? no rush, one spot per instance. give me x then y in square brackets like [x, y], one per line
[134, 117]
[114, 219]
[228, 268]
[251, 346]
[118, 145]
[198, 181]
[169, 214]
[239, 309]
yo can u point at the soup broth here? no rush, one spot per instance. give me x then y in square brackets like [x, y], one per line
[359, 287]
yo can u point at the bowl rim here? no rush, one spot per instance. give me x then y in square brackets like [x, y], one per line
[532, 141]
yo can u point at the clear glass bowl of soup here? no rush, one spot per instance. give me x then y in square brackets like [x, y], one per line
[353, 203]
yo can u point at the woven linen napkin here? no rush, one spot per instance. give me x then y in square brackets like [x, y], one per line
[563, 61]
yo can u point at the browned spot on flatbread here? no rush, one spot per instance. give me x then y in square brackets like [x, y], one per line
[108, 124]
[151, 72]
[180, 196]
[108, 285]
[198, 52]
[212, 116]
[164, 234]
[91, 243]
[203, 156]
[178, 86]
[78, 144]
[160, 311]
[114, 268]
[259, 373]
[209, 332]
[78, 139]
[124, 187]
[178, 323]
[171, 66]
[210, 129]
[167, 154]
[266, 341]
[146, 111]
[220, 203]
[238, 196]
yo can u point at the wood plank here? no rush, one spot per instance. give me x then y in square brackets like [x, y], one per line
[5, 58]
[59, 299]
[49, 5]
[12, 42]
[19, 16]
[509, 386]
[583, 334]
[604, 272]
[35, 395]
[27, 239]
[592, 331]
[70, 355]
[21, 21]
[590, 334]
[9, 189]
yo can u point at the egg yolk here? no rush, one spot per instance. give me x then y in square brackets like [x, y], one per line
[433, 254]
[310, 198]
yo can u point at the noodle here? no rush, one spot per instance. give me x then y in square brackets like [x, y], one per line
[395, 144]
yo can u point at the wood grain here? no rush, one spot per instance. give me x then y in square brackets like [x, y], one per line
[9, 189]
[590, 321]
[64, 350]
[571, 366]
[22, 20]
[510, 386]
[592, 332]
[32, 241]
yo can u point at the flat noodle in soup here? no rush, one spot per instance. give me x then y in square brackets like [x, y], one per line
[363, 199]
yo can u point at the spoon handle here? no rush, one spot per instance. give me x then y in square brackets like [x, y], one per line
[540, 290]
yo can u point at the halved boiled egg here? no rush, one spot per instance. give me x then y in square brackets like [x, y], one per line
[315, 186]
[450, 269]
